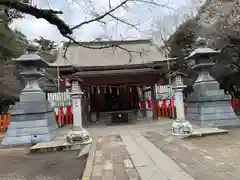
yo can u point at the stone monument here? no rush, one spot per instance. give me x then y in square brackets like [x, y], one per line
[78, 135]
[208, 105]
[32, 118]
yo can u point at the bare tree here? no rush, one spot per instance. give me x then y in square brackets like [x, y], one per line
[98, 15]
[219, 21]
[168, 34]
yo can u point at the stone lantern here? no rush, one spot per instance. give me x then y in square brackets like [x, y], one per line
[208, 105]
[180, 126]
[78, 135]
[32, 118]
[178, 87]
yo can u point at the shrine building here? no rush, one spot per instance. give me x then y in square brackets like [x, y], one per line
[113, 79]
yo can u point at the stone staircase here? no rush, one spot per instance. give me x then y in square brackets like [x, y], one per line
[105, 117]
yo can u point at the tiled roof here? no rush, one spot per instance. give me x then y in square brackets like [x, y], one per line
[78, 56]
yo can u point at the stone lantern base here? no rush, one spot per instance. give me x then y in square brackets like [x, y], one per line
[211, 108]
[181, 128]
[79, 137]
[31, 121]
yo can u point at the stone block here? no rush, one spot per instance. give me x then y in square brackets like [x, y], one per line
[116, 159]
[119, 172]
[132, 174]
[108, 175]
[108, 165]
[98, 153]
[24, 127]
[128, 163]
[211, 114]
[106, 156]
[97, 171]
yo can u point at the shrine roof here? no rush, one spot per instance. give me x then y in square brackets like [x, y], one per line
[116, 72]
[138, 52]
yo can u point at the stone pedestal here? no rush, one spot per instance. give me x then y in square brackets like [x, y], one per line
[78, 135]
[32, 119]
[208, 105]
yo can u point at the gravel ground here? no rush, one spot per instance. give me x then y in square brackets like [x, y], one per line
[17, 165]
[225, 147]
[212, 157]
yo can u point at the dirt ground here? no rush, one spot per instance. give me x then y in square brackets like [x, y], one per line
[225, 147]
[214, 157]
[18, 165]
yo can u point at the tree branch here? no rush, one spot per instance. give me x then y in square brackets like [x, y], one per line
[47, 14]
[101, 47]
[124, 22]
[101, 16]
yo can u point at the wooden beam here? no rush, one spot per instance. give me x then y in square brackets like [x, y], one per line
[121, 80]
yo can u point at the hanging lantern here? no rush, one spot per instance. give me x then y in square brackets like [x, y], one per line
[117, 91]
[105, 89]
[110, 90]
[98, 90]
[92, 89]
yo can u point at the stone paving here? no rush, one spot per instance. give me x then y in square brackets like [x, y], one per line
[150, 162]
[111, 160]
[123, 153]
[199, 162]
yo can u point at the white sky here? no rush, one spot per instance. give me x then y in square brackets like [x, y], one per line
[75, 11]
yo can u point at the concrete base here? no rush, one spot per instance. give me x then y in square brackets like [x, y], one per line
[32, 119]
[209, 106]
[212, 114]
[31, 128]
[207, 132]
[79, 136]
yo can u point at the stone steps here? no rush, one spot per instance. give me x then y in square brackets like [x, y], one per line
[105, 117]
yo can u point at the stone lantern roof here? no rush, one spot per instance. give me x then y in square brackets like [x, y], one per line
[202, 50]
[31, 58]
[202, 57]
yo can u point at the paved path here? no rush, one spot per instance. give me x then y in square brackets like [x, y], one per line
[123, 153]
[111, 160]
[150, 162]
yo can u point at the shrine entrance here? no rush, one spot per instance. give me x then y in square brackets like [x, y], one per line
[117, 99]
[112, 77]
[104, 101]
[112, 100]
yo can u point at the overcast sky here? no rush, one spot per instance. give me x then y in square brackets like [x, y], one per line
[76, 11]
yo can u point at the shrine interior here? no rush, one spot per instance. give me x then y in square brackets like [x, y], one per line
[106, 99]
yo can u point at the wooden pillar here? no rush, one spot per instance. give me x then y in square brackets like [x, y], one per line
[144, 103]
[153, 97]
